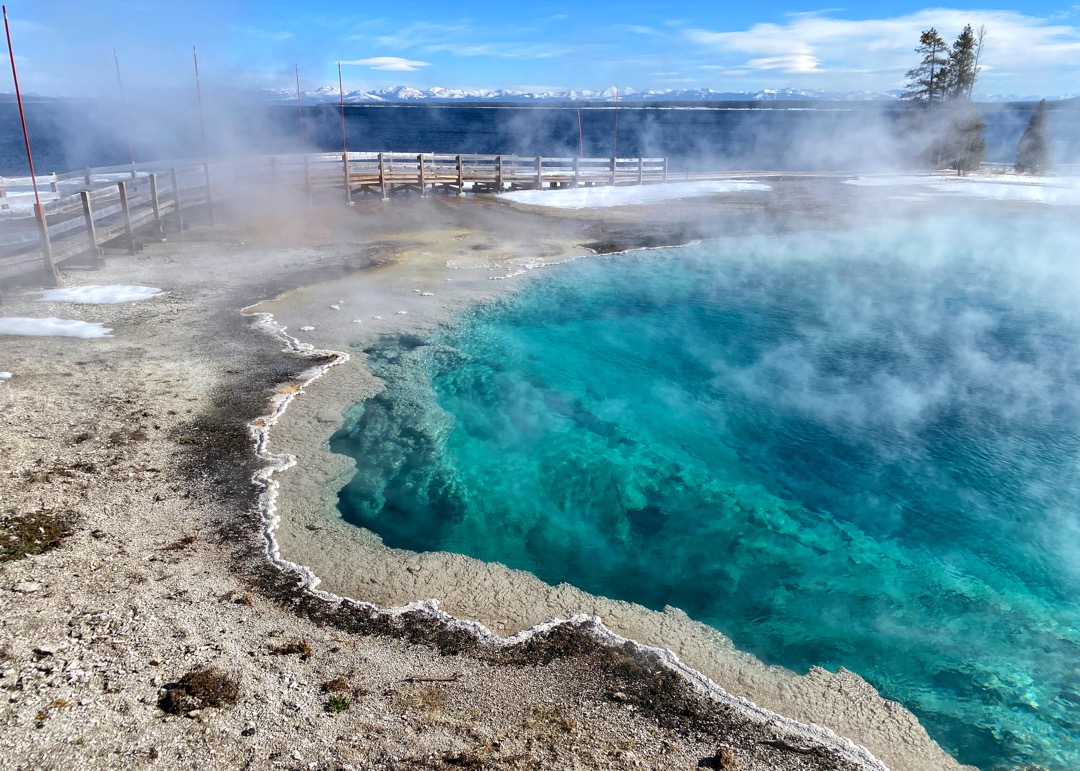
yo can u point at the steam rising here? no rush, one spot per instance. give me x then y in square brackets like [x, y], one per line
[854, 449]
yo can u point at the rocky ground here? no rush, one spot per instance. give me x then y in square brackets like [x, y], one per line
[143, 626]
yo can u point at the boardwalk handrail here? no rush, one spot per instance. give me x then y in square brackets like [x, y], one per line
[86, 208]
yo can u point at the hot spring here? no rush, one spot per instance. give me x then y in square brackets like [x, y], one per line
[855, 449]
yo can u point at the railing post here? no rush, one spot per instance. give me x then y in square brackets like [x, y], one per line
[640, 170]
[273, 171]
[54, 184]
[88, 216]
[382, 176]
[176, 197]
[577, 170]
[460, 176]
[499, 174]
[86, 176]
[134, 172]
[156, 203]
[126, 206]
[423, 182]
[46, 244]
[614, 162]
[665, 169]
[348, 183]
[3, 195]
[539, 172]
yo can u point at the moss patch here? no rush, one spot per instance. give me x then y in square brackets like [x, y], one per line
[200, 688]
[24, 535]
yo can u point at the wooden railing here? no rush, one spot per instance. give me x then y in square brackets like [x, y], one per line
[82, 210]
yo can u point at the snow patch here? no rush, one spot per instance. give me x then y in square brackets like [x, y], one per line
[600, 197]
[98, 294]
[52, 327]
[1054, 191]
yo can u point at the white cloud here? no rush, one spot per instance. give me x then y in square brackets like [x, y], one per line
[503, 50]
[793, 63]
[395, 63]
[638, 29]
[1023, 49]
[463, 38]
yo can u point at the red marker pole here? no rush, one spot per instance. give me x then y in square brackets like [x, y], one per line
[123, 112]
[580, 136]
[615, 141]
[344, 143]
[39, 210]
[202, 130]
[300, 106]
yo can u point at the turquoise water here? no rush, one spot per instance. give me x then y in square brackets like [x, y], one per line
[857, 450]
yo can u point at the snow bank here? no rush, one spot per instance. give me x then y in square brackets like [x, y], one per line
[52, 327]
[598, 197]
[1055, 191]
[99, 294]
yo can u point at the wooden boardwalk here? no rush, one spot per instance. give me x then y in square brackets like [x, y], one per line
[87, 209]
[383, 173]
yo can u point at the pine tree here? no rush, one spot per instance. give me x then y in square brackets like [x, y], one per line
[1033, 155]
[928, 82]
[963, 63]
[963, 147]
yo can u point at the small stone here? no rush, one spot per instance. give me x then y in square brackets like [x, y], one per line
[27, 587]
[619, 696]
[194, 713]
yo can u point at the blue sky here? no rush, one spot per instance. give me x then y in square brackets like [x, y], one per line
[64, 47]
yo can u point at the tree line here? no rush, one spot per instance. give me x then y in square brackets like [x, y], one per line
[940, 89]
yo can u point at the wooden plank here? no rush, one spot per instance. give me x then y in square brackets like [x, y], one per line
[156, 203]
[176, 197]
[46, 245]
[88, 215]
[122, 185]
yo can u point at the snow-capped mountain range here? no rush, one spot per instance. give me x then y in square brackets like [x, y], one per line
[408, 94]
[400, 94]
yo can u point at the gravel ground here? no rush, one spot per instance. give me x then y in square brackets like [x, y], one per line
[143, 626]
